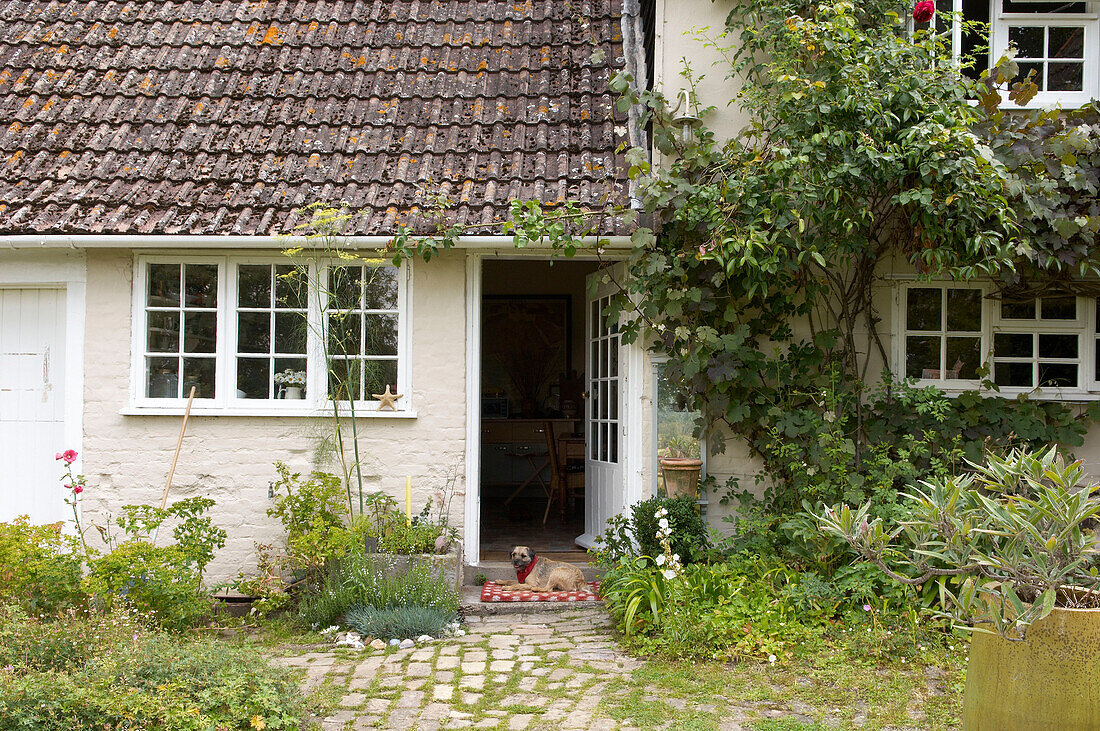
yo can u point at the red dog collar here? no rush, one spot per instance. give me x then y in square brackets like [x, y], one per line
[521, 574]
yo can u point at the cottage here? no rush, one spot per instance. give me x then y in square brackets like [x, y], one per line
[155, 157]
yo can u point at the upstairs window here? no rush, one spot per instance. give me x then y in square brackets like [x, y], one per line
[1059, 41]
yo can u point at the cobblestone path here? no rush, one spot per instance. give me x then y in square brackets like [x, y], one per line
[511, 671]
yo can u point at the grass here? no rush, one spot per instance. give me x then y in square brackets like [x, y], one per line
[844, 681]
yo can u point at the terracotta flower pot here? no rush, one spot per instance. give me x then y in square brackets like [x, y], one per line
[1048, 682]
[681, 476]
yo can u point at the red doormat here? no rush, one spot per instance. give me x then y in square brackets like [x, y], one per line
[492, 592]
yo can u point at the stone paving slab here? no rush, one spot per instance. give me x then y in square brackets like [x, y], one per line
[500, 675]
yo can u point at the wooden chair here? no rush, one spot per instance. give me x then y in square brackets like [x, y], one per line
[566, 481]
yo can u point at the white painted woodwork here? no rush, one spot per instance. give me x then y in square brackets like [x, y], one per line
[32, 402]
[606, 412]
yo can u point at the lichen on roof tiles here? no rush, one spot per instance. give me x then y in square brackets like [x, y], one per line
[188, 117]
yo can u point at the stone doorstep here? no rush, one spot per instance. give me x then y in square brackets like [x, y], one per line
[472, 606]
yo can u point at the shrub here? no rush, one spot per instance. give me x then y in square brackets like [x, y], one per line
[689, 532]
[162, 581]
[106, 671]
[40, 567]
[312, 512]
[399, 622]
[153, 579]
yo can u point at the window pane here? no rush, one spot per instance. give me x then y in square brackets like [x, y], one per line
[613, 403]
[1098, 357]
[1067, 43]
[163, 381]
[345, 287]
[1029, 39]
[295, 365]
[343, 379]
[1026, 70]
[963, 357]
[164, 285]
[923, 309]
[1012, 374]
[199, 332]
[377, 375]
[344, 332]
[1062, 375]
[254, 332]
[291, 288]
[381, 335]
[964, 310]
[1065, 76]
[603, 408]
[290, 332]
[254, 286]
[381, 289]
[922, 356]
[603, 442]
[201, 285]
[1057, 346]
[1012, 345]
[1059, 308]
[613, 355]
[1016, 310]
[253, 378]
[613, 442]
[164, 332]
[198, 372]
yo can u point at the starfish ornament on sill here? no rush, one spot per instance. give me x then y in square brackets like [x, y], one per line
[387, 399]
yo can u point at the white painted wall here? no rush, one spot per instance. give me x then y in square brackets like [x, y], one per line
[230, 458]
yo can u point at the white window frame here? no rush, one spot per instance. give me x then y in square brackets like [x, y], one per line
[1088, 21]
[226, 402]
[1085, 327]
[901, 330]
[1081, 327]
[1000, 22]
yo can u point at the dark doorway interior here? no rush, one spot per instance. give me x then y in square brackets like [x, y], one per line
[532, 407]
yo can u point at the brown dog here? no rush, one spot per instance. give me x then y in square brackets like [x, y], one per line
[534, 573]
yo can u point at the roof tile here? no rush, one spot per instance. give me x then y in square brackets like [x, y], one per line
[222, 118]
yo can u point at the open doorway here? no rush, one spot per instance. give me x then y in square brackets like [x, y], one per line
[532, 461]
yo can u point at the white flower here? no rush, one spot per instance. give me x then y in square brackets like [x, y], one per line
[676, 558]
[661, 560]
[663, 522]
[669, 574]
[771, 659]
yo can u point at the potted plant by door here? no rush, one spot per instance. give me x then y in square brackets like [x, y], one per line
[1016, 538]
[681, 466]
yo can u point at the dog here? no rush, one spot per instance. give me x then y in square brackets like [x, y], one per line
[534, 573]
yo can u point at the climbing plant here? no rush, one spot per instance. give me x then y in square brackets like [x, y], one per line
[867, 145]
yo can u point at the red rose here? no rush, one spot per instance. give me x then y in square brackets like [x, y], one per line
[924, 11]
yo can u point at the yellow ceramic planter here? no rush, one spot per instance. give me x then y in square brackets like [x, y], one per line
[1049, 682]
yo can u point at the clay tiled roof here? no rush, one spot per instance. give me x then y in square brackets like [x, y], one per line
[225, 117]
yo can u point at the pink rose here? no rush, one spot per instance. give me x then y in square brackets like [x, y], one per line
[77, 489]
[69, 455]
[924, 11]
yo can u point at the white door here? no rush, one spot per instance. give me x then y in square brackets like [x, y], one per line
[32, 398]
[604, 491]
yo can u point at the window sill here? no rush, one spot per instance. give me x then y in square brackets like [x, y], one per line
[308, 412]
[1032, 394]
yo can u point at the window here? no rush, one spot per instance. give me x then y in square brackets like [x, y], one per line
[958, 337]
[1036, 343]
[255, 334]
[943, 333]
[1059, 41]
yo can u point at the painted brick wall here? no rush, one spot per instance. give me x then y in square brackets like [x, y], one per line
[230, 458]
